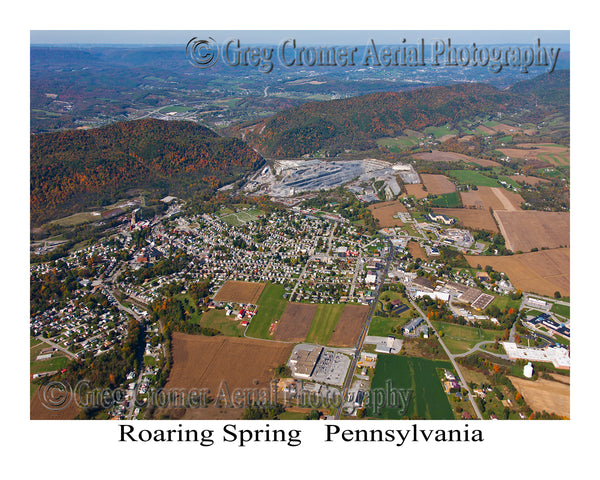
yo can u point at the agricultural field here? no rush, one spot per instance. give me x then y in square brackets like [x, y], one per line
[384, 212]
[437, 156]
[416, 190]
[349, 326]
[545, 395]
[524, 230]
[471, 218]
[553, 154]
[206, 362]
[528, 179]
[419, 375]
[447, 200]
[39, 411]
[543, 272]
[471, 177]
[295, 322]
[397, 144]
[271, 306]
[239, 292]
[461, 338]
[437, 184]
[324, 322]
[440, 132]
[495, 198]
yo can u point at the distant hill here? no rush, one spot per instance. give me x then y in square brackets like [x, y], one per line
[547, 88]
[77, 168]
[356, 122]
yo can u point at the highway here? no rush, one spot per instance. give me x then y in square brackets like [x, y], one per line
[363, 334]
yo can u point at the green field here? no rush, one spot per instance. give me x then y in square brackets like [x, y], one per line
[323, 323]
[213, 318]
[419, 375]
[447, 200]
[562, 310]
[397, 144]
[438, 132]
[473, 178]
[176, 109]
[241, 217]
[382, 326]
[227, 325]
[461, 338]
[271, 306]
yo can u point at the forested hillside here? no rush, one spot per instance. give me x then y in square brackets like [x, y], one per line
[77, 168]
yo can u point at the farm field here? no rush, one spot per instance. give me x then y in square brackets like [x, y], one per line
[295, 322]
[437, 156]
[542, 394]
[471, 218]
[553, 154]
[437, 184]
[447, 200]
[495, 198]
[385, 211]
[528, 179]
[271, 306]
[419, 375]
[524, 230]
[239, 292]
[206, 362]
[324, 322]
[38, 411]
[349, 326]
[543, 272]
[472, 177]
[416, 190]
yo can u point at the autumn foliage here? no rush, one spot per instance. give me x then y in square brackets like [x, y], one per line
[76, 168]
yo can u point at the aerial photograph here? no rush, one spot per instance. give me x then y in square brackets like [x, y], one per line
[300, 225]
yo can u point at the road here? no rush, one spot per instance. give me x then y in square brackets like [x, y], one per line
[363, 334]
[450, 356]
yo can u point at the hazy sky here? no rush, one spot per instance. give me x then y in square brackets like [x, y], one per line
[327, 37]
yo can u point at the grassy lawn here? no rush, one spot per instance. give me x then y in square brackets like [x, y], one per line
[562, 310]
[419, 375]
[50, 365]
[323, 323]
[382, 326]
[461, 338]
[215, 318]
[271, 306]
[227, 325]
